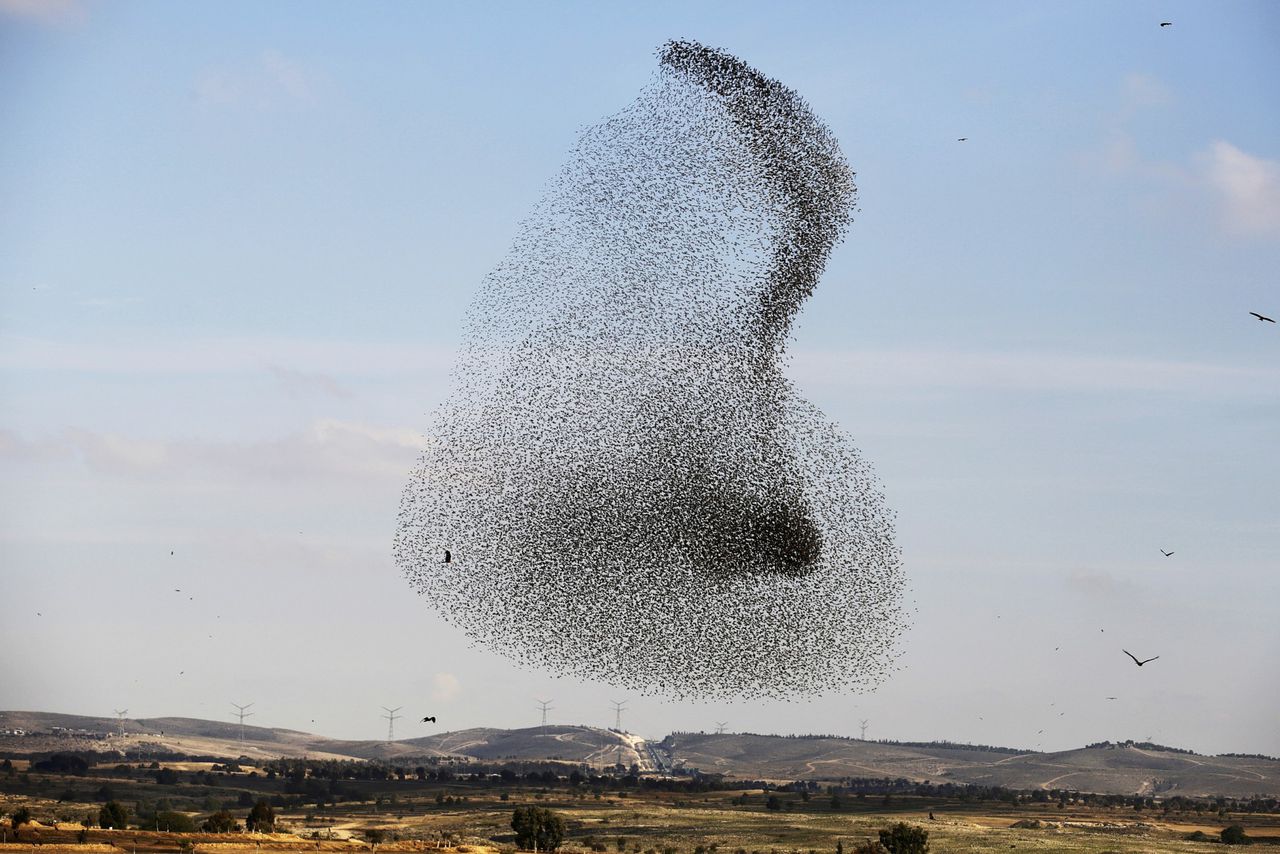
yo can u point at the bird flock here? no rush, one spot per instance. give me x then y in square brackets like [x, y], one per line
[623, 484]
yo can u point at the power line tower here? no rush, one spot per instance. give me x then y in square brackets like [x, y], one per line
[545, 706]
[391, 722]
[120, 713]
[242, 714]
[618, 709]
[720, 725]
[863, 724]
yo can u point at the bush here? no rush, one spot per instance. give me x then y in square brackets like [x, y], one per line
[905, 838]
[261, 818]
[220, 822]
[1234, 835]
[113, 814]
[869, 846]
[536, 826]
[20, 816]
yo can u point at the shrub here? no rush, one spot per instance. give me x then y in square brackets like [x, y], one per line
[113, 814]
[537, 826]
[905, 838]
[1234, 835]
[220, 822]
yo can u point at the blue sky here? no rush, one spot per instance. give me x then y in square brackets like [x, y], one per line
[237, 242]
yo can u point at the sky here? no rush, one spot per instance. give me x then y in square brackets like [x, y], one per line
[238, 241]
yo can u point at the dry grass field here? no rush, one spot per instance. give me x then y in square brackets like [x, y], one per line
[663, 823]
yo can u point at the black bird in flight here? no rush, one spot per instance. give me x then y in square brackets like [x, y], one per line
[432, 719]
[1262, 317]
[963, 139]
[1165, 553]
[448, 558]
[1135, 658]
[1166, 23]
[1113, 698]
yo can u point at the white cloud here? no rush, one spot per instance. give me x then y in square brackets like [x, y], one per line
[300, 383]
[326, 449]
[446, 687]
[1025, 371]
[1145, 90]
[1247, 187]
[53, 12]
[271, 79]
[220, 356]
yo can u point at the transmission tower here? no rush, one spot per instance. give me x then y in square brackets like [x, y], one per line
[242, 714]
[720, 725]
[120, 713]
[545, 706]
[391, 721]
[618, 709]
[863, 724]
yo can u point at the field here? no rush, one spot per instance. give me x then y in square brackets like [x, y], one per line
[724, 822]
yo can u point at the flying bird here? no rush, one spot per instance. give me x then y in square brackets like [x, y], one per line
[1166, 23]
[1135, 658]
[963, 139]
[1113, 698]
[448, 558]
[1165, 553]
[1262, 317]
[431, 719]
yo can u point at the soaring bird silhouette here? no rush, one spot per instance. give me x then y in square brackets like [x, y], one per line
[963, 139]
[1135, 658]
[1165, 553]
[448, 558]
[1262, 317]
[1166, 23]
[431, 719]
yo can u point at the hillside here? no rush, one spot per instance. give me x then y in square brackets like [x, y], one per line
[1114, 769]
[1117, 769]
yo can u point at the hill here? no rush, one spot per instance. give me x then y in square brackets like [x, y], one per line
[1118, 769]
[1113, 769]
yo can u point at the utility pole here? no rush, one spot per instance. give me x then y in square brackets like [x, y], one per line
[120, 713]
[545, 705]
[863, 725]
[242, 714]
[391, 722]
[618, 709]
[720, 725]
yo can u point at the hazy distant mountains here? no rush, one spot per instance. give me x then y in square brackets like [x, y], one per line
[1117, 769]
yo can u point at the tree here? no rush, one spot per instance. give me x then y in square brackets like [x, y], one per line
[869, 846]
[773, 803]
[904, 838]
[261, 818]
[113, 814]
[1234, 835]
[375, 836]
[537, 827]
[220, 822]
[20, 816]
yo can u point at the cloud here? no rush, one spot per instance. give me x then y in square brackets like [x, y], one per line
[301, 383]
[269, 80]
[49, 12]
[446, 687]
[220, 356]
[1099, 585]
[1022, 371]
[1247, 188]
[326, 449]
[1145, 90]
